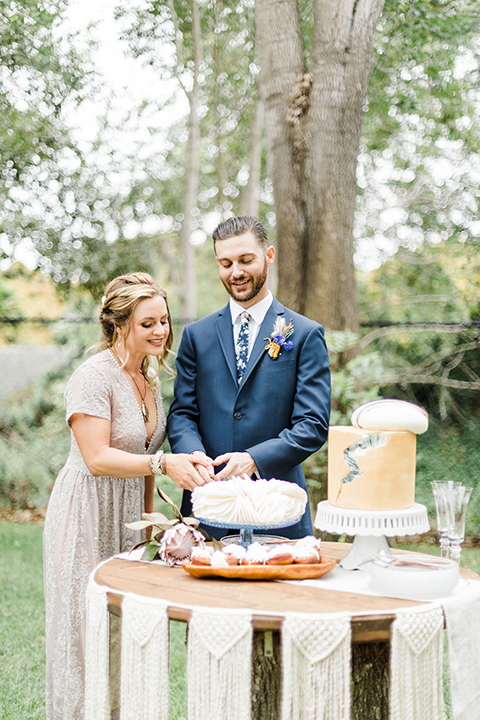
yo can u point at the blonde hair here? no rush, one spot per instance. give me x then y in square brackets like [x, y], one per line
[122, 295]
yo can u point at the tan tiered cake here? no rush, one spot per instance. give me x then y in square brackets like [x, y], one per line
[371, 469]
[371, 466]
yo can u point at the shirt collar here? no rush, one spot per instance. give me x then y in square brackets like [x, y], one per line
[257, 311]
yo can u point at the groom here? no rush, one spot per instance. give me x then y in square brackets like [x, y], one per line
[252, 410]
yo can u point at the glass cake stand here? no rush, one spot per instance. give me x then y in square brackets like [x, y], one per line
[370, 528]
[246, 536]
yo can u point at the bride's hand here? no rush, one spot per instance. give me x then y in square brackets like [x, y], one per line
[188, 471]
[203, 464]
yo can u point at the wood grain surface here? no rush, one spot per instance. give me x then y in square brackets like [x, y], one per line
[269, 601]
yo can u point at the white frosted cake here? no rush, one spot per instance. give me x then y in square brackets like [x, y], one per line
[243, 501]
[372, 466]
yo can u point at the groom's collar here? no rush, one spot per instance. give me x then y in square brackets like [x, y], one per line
[257, 311]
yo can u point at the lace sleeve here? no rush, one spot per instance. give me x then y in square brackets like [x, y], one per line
[89, 391]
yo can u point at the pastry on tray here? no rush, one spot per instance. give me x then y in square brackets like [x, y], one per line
[305, 551]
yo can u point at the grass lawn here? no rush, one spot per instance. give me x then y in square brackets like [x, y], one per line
[22, 629]
[22, 623]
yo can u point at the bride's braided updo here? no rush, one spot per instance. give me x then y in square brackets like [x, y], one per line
[122, 295]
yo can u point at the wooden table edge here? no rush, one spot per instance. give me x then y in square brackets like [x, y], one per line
[366, 627]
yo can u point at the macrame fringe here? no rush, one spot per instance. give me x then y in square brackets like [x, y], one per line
[219, 665]
[316, 667]
[97, 643]
[416, 665]
[144, 685]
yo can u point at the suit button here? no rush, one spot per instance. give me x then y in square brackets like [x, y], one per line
[237, 415]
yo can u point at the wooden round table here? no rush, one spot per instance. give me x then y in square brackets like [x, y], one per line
[372, 617]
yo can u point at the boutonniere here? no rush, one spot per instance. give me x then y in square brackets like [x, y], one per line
[279, 338]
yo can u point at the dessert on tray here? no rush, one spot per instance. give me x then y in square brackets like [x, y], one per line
[371, 465]
[305, 551]
[242, 501]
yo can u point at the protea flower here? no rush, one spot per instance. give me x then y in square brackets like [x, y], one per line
[177, 542]
[171, 540]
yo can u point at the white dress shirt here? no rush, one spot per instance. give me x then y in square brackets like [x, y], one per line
[257, 314]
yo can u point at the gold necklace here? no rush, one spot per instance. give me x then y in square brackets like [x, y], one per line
[143, 408]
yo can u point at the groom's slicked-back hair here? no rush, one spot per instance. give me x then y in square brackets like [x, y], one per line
[240, 225]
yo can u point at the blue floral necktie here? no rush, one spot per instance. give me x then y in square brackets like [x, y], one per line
[241, 348]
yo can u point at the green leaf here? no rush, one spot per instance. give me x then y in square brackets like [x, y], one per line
[150, 551]
[166, 499]
[139, 544]
[138, 525]
[194, 522]
[157, 518]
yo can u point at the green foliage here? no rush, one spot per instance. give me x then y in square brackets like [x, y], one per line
[34, 438]
[34, 443]
[438, 367]
[228, 73]
[450, 452]
[418, 165]
[355, 381]
[39, 77]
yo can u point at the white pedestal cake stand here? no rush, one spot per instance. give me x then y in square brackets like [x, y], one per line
[370, 528]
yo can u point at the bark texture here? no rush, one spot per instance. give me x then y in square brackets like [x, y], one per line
[370, 679]
[266, 676]
[188, 287]
[249, 197]
[313, 119]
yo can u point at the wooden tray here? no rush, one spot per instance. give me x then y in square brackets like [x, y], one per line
[263, 572]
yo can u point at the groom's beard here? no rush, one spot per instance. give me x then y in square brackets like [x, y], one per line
[256, 284]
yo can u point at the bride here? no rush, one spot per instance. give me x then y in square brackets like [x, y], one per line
[114, 408]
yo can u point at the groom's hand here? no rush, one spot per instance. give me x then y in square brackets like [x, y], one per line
[238, 463]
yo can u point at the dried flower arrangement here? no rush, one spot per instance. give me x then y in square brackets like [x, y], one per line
[170, 540]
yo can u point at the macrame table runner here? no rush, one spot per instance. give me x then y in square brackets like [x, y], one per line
[313, 644]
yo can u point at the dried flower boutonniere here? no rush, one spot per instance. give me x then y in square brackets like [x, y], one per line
[278, 340]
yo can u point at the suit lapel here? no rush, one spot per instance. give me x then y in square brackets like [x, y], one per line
[264, 331]
[225, 338]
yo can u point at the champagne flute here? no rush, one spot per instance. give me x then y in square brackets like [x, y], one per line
[458, 502]
[442, 490]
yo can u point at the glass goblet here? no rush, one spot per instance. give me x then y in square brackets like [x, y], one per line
[441, 492]
[458, 502]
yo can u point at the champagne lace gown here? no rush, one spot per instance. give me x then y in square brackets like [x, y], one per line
[85, 523]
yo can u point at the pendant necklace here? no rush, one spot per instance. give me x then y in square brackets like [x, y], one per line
[143, 408]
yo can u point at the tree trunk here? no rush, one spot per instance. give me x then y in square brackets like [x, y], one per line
[313, 125]
[266, 675]
[370, 678]
[370, 681]
[249, 199]
[189, 295]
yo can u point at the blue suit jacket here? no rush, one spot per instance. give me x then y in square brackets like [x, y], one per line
[279, 413]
